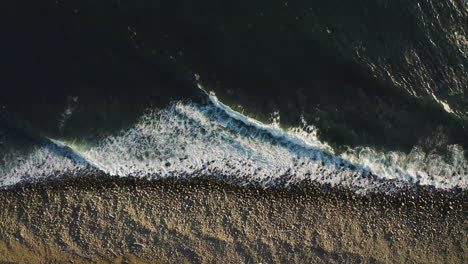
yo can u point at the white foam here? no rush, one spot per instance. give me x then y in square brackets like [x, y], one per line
[40, 163]
[417, 167]
[187, 138]
[273, 129]
[204, 138]
[238, 145]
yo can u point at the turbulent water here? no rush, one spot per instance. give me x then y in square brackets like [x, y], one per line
[362, 95]
[186, 139]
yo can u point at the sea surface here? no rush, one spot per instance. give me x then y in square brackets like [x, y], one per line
[370, 96]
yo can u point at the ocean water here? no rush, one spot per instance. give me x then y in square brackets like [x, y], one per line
[368, 96]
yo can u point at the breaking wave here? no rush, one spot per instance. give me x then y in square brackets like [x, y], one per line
[187, 139]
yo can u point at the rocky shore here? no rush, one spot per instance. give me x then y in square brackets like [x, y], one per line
[104, 219]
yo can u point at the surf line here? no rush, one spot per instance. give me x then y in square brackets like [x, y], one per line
[62, 149]
[277, 133]
[281, 135]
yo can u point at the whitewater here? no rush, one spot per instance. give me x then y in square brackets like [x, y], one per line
[188, 138]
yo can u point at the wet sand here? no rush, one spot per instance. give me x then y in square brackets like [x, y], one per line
[125, 220]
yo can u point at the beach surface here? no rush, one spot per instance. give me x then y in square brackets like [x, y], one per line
[125, 220]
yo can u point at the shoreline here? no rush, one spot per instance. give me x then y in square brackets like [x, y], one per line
[106, 219]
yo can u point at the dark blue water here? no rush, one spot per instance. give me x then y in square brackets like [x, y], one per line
[388, 76]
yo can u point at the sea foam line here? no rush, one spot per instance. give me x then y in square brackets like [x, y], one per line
[276, 132]
[191, 139]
